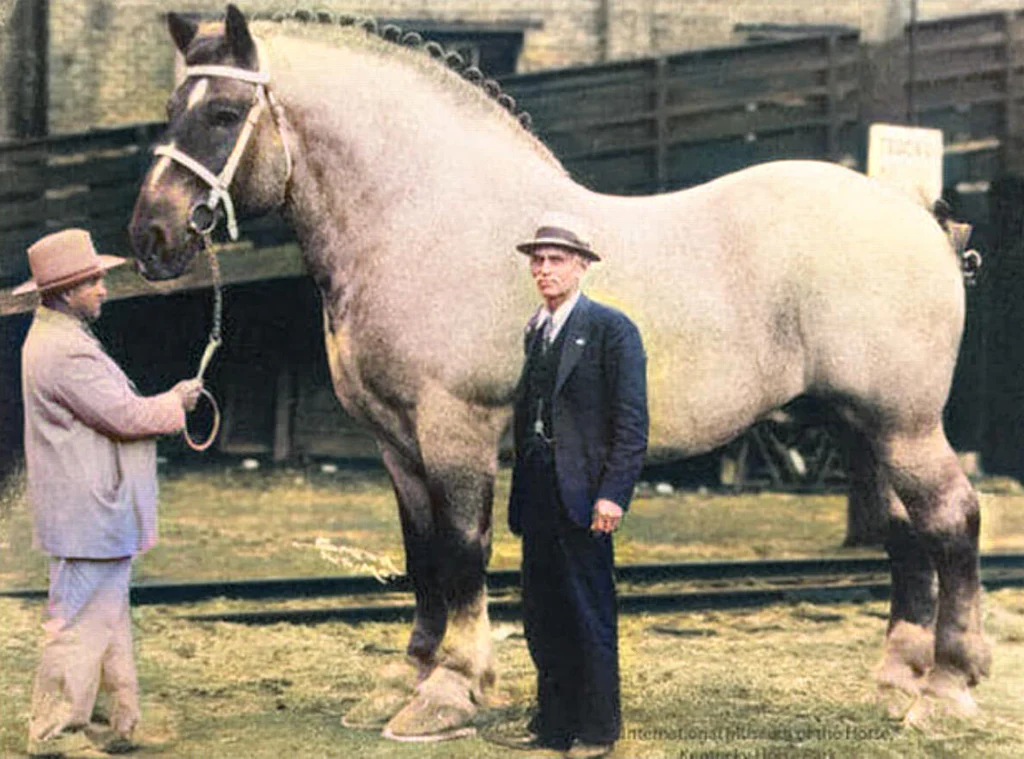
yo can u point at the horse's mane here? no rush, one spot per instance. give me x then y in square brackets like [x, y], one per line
[395, 34]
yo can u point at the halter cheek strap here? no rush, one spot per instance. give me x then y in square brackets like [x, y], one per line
[219, 183]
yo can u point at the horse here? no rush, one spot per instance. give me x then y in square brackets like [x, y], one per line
[407, 185]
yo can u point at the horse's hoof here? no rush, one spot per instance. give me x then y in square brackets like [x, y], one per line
[951, 692]
[445, 735]
[374, 711]
[894, 674]
[396, 684]
[919, 714]
[909, 653]
[897, 702]
[443, 709]
[977, 657]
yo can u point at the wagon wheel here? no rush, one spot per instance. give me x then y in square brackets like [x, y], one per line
[787, 455]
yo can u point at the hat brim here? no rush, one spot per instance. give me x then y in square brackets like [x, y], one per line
[105, 263]
[556, 242]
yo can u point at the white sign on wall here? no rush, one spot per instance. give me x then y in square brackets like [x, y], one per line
[908, 158]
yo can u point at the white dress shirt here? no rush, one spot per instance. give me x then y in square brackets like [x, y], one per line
[558, 318]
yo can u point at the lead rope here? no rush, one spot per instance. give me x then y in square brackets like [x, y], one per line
[212, 344]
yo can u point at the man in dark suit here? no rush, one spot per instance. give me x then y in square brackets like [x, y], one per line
[580, 434]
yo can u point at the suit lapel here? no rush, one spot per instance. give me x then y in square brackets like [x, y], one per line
[576, 328]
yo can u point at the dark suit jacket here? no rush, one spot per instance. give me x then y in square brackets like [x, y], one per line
[599, 413]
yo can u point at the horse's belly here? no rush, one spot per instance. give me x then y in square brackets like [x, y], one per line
[691, 423]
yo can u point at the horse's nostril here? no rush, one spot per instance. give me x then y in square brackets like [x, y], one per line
[155, 243]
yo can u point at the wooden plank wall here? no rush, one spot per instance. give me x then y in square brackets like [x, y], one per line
[87, 180]
[663, 123]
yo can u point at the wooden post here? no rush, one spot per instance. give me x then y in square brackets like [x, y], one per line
[660, 124]
[283, 414]
[31, 85]
[1012, 160]
[832, 84]
[912, 64]
[604, 30]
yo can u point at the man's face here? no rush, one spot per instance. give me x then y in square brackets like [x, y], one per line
[86, 300]
[556, 271]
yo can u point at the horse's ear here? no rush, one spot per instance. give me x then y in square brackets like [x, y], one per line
[183, 31]
[236, 30]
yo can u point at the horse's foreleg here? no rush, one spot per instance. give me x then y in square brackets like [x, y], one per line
[464, 545]
[395, 684]
[943, 511]
[421, 557]
[459, 453]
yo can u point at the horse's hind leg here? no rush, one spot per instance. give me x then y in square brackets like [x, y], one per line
[910, 637]
[944, 520]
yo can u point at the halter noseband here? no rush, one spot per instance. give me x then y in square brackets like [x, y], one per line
[219, 183]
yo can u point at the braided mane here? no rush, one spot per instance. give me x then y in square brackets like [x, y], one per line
[394, 33]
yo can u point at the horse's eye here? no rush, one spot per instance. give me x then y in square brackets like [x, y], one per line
[225, 117]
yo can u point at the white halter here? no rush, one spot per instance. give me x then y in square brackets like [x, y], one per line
[219, 183]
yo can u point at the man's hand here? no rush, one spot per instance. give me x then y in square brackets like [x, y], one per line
[607, 515]
[188, 392]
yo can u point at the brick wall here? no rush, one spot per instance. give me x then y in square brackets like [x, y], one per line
[111, 62]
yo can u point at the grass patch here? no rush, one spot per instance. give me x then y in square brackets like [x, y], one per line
[787, 681]
[224, 523]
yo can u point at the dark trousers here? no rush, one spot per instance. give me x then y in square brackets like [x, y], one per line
[569, 614]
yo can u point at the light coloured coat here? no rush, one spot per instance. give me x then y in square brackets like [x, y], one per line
[89, 444]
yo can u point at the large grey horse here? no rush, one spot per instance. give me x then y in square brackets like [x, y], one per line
[408, 185]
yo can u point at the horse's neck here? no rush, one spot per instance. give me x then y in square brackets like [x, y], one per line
[394, 165]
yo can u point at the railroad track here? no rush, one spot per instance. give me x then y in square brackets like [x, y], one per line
[719, 585]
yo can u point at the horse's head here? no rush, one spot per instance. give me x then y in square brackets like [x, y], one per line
[223, 152]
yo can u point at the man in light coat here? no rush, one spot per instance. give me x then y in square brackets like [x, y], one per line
[580, 433]
[90, 457]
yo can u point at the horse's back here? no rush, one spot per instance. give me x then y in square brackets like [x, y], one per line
[787, 278]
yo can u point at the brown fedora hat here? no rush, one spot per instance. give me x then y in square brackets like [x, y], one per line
[562, 231]
[63, 259]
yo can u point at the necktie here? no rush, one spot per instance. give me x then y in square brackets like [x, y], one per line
[546, 333]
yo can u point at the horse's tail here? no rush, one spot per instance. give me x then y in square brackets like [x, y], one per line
[958, 234]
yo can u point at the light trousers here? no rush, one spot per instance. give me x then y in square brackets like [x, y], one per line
[88, 646]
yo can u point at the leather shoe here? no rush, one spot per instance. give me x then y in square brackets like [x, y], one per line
[581, 750]
[526, 741]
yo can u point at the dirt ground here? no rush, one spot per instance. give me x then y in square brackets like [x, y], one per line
[786, 681]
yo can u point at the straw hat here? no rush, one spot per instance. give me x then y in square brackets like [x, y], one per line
[63, 259]
[563, 231]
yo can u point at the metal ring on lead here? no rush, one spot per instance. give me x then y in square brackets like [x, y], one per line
[200, 447]
[198, 228]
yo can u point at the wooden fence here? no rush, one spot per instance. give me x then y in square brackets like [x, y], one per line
[87, 180]
[658, 124]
